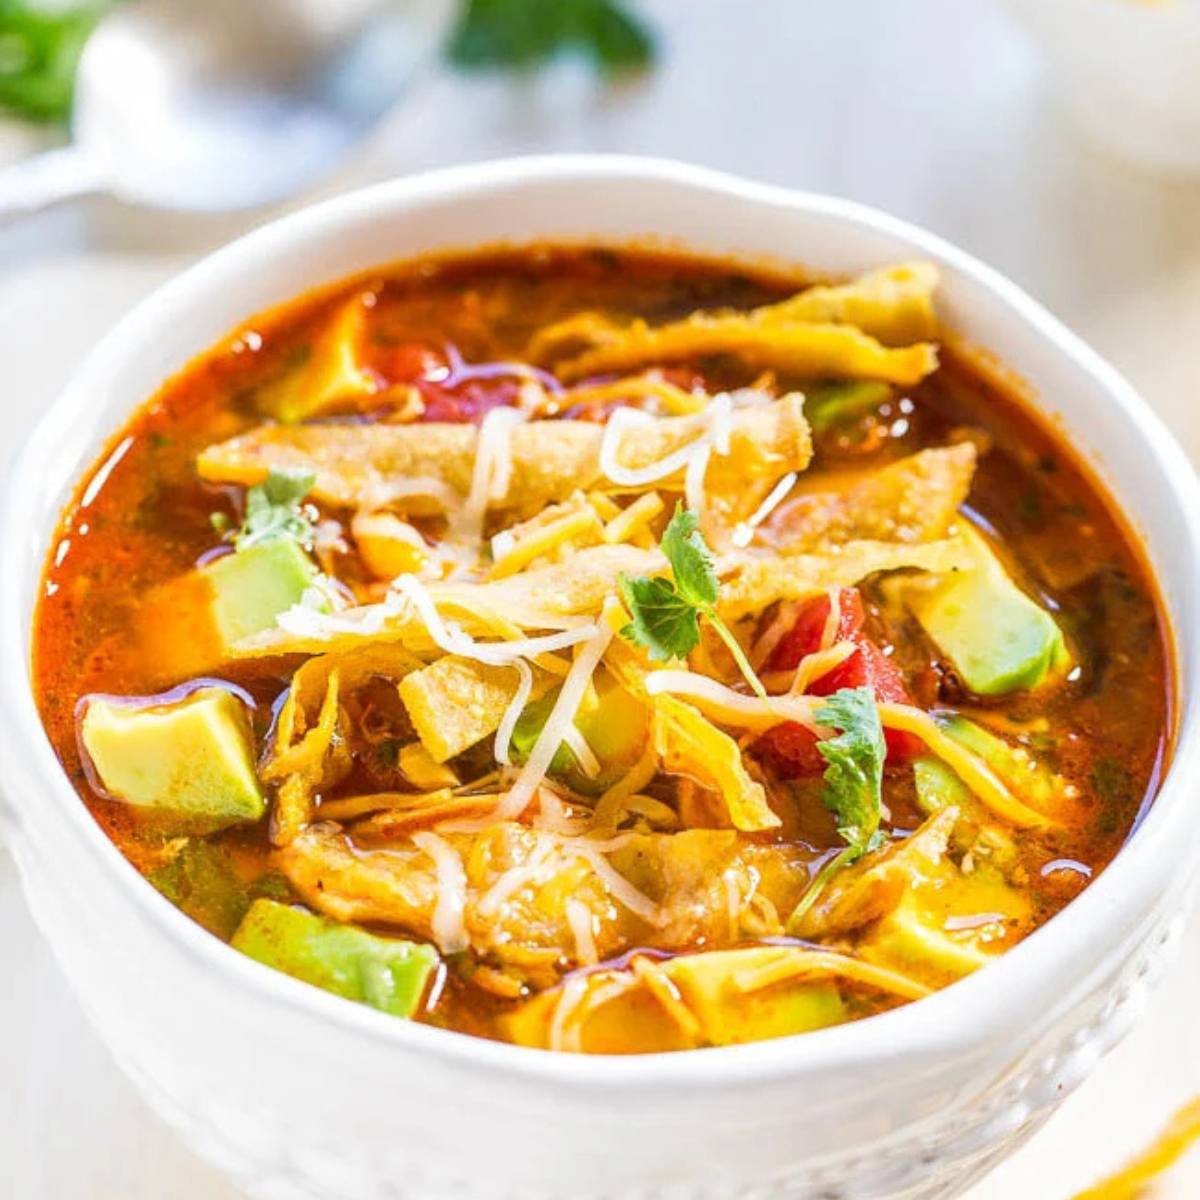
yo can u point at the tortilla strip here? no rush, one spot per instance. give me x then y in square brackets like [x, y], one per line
[874, 886]
[811, 350]
[457, 702]
[913, 500]
[413, 466]
[751, 583]
[893, 305]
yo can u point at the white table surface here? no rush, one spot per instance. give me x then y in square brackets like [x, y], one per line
[934, 109]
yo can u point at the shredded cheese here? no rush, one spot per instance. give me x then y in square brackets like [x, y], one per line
[561, 715]
[973, 771]
[629, 521]
[492, 470]
[449, 927]
[743, 534]
[616, 884]
[819, 663]
[514, 879]
[512, 713]
[579, 918]
[774, 633]
[589, 764]
[453, 640]
[674, 400]
[832, 619]
[515, 555]
[573, 992]
[723, 704]
[656, 981]
[793, 963]
[641, 773]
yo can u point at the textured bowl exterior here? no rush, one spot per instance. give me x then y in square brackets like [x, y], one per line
[301, 1096]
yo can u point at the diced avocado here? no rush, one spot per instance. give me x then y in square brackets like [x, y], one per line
[326, 373]
[908, 941]
[1031, 781]
[635, 1020]
[998, 639]
[385, 973]
[830, 404]
[253, 586]
[203, 880]
[728, 1014]
[616, 728]
[191, 758]
[189, 624]
[938, 787]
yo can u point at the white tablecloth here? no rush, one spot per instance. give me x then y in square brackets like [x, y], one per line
[933, 109]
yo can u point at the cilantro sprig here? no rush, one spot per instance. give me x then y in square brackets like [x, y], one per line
[521, 34]
[274, 510]
[666, 613]
[853, 789]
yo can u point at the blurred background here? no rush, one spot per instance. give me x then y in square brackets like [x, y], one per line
[1057, 139]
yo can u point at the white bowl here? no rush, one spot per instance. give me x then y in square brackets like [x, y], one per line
[299, 1094]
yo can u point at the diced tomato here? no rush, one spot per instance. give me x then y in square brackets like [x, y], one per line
[804, 637]
[791, 749]
[468, 401]
[404, 363]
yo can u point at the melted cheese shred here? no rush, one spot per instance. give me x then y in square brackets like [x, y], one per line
[579, 918]
[796, 964]
[453, 640]
[973, 771]
[633, 519]
[512, 714]
[723, 704]
[491, 472]
[561, 716]
[516, 555]
[672, 399]
[449, 927]
[743, 534]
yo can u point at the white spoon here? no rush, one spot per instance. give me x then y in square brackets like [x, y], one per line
[216, 105]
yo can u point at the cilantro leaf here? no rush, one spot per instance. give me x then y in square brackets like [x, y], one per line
[273, 509]
[39, 49]
[666, 616]
[854, 777]
[690, 558]
[853, 789]
[524, 33]
[664, 623]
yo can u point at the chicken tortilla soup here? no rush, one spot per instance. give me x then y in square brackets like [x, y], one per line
[604, 650]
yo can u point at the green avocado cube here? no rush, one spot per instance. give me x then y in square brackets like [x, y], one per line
[188, 625]
[191, 757]
[730, 1015]
[252, 587]
[998, 639]
[385, 973]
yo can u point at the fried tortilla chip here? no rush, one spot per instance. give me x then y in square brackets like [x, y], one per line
[427, 468]
[913, 500]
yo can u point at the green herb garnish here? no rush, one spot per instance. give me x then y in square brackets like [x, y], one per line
[273, 509]
[666, 615]
[39, 50]
[524, 33]
[853, 789]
